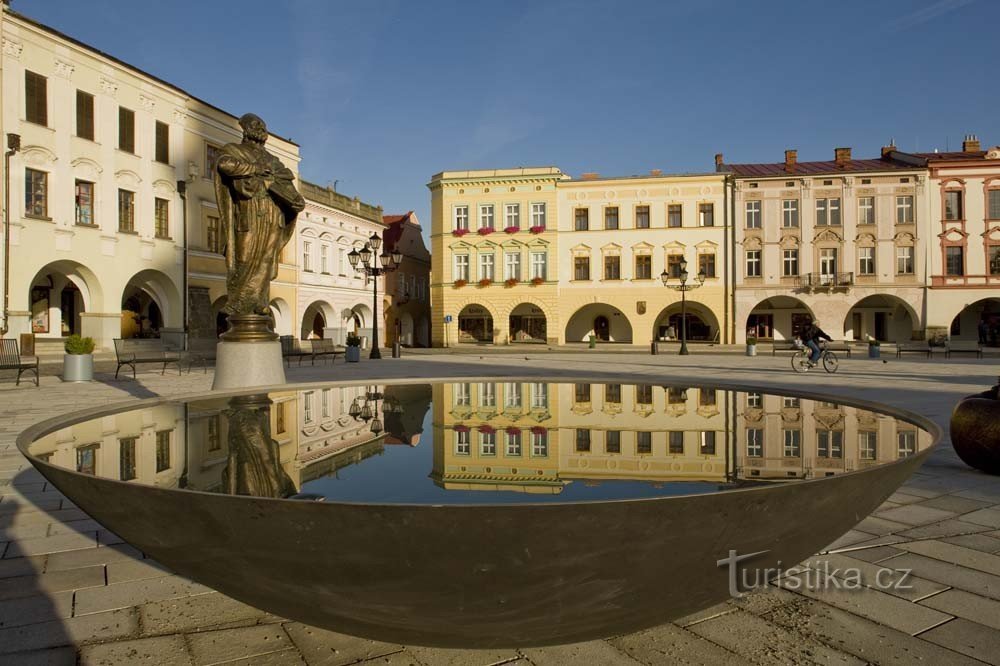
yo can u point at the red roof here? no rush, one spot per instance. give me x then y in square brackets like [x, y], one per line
[394, 229]
[817, 168]
[953, 155]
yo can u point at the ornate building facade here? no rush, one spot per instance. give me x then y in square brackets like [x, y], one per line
[408, 313]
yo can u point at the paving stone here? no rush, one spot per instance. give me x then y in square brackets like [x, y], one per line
[967, 605]
[989, 517]
[133, 593]
[702, 615]
[913, 514]
[880, 526]
[969, 638]
[106, 538]
[320, 647]
[883, 577]
[445, 657]
[669, 644]
[983, 542]
[57, 581]
[46, 517]
[902, 497]
[949, 574]
[54, 544]
[943, 529]
[53, 504]
[37, 608]
[215, 647]
[874, 643]
[874, 555]
[24, 531]
[956, 504]
[92, 556]
[289, 657]
[763, 600]
[161, 651]
[763, 642]
[204, 611]
[593, 652]
[86, 525]
[848, 539]
[947, 552]
[62, 656]
[130, 569]
[75, 630]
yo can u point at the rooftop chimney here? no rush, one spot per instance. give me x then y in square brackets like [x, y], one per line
[590, 175]
[888, 149]
[718, 161]
[971, 144]
[656, 172]
[841, 156]
[790, 158]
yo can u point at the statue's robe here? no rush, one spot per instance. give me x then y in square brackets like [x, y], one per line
[254, 466]
[257, 216]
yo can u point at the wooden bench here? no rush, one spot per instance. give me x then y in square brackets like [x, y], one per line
[840, 347]
[963, 347]
[784, 346]
[11, 359]
[325, 347]
[133, 351]
[921, 347]
[290, 349]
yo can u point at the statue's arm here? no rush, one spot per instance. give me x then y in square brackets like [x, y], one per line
[234, 167]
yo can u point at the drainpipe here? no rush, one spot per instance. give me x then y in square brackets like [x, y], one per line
[13, 145]
[732, 233]
[182, 190]
[724, 338]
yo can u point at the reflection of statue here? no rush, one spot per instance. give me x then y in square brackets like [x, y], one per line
[258, 204]
[254, 466]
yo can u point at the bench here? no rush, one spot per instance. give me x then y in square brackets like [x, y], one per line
[133, 351]
[922, 347]
[324, 347]
[11, 359]
[784, 346]
[963, 347]
[290, 349]
[840, 346]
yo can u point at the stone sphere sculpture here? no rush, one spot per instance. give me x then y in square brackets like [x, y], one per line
[975, 430]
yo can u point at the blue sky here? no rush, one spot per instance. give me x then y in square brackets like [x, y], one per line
[381, 95]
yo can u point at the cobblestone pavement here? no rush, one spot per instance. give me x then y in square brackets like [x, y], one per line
[72, 592]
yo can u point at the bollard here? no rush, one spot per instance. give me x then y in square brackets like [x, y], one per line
[652, 348]
[593, 341]
[397, 350]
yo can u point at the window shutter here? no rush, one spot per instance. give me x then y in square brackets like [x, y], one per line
[126, 129]
[35, 98]
[162, 142]
[84, 115]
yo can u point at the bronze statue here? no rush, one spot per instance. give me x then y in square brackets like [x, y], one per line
[258, 204]
[254, 465]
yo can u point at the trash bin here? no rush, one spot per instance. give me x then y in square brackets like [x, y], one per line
[652, 348]
[593, 341]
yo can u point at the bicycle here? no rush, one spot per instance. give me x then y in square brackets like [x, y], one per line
[800, 359]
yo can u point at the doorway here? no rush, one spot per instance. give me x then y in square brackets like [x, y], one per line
[881, 329]
[602, 328]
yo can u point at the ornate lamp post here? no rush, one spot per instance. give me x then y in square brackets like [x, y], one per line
[389, 262]
[683, 287]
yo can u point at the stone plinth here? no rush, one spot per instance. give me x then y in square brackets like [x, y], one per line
[247, 364]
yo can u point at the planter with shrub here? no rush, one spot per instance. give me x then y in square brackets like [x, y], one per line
[78, 361]
[751, 345]
[353, 352]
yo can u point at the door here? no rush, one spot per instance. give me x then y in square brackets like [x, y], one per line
[881, 332]
[828, 265]
[602, 328]
[856, 325]
[68, 306]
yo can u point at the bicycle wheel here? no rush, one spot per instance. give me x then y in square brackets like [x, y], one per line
[830, 362]
[800, 361]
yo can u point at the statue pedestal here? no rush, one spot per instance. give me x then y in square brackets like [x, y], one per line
[247, 364]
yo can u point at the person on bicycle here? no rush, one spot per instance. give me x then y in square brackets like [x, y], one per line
[811, 337]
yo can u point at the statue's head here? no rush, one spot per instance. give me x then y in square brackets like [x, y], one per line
[254, 128]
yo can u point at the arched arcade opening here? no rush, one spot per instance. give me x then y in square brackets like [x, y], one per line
[883, 317]
[528, 324]
[605, 322]
[778, 318]
[475, 325]
[702, 324]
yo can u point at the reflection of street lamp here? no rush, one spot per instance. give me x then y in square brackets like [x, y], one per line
[368, 409]
[683, 287]
[390, 262]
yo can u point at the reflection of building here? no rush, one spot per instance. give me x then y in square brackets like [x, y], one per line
[407, 293]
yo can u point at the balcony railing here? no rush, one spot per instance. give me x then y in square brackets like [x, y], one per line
[826, 280]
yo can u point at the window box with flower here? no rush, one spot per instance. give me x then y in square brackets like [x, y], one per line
[486, 231]
[511, 282]
[459, 232]
[537, 281]
[485, 282]
[537, 229]
[511, 229]
[460, 283]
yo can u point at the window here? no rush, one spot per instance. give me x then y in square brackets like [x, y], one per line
[126, 129]
[753, 263]
[126, 458]
[789, 262]
[513, 438]
[868, 444]
[582, 440]
[307, 253]
[539, 442]
[307, 407]
[84, 115]
[866, 260]
[904, 260]
[212, 236]
[954, 260]
[324, 260]
[84, 202]
[512, 266]
[86, 459]
[675, 442]
[512, 395]
[212, 153]
[755, 400]
[324, 404]
[904, 209]
[793, 443]
[706, 397]
[581, 393]
[674, 265]
[279, 418]
[161, 212]
[644, 394]
[706, 215]
[36, 193]
[642, 217]
[486, 216]
[162, 148]
[163, 450]
[611, 217]
[613, 441]
[828, 212]
[36, 98]
[215, 439]
[612, 267]
[906, 443]
[792, 403]
[539, 265]
[953, 205]
[644, 267]
[581, 217]
[126, 211]
[644, 442]
[675, 215]
[462, 443]
[539, 396]
[676, 395]
[830, 443]
[613, 393]
[461, 267]
[461, 217]
[706, 264]
[789, 213]
[538, 215]
[707, 443]
[753, 214]
[462, 394]
[487, 269]
[866, 210]
[487, 394]
[993, 205]
[581, 268]
[993, 259]
[512, 215]
[487, 443]
[755, 442]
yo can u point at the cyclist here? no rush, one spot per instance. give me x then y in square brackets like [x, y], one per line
[811, 337]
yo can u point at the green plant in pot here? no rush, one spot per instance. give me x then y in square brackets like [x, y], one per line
[874, 348]
[751, 345]
[78, 361]
[353, 353]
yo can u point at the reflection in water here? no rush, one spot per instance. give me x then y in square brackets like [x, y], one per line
[475, 442]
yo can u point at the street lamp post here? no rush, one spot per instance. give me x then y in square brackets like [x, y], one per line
[684, 288]
[389, 262]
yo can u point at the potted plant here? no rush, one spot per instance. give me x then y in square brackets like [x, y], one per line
[511, 229]
[78, 362]
[874, 350]
[459, 232]
[537, 229]
[751, 345]
[485, 282]
[353, 353]
[460, 283]
[537, 281]
[511, 282]
[486, 231]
